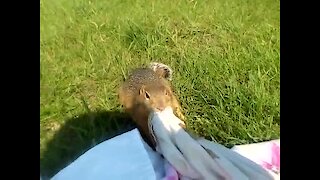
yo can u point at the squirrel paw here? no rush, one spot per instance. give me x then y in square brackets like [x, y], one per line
[163, 70]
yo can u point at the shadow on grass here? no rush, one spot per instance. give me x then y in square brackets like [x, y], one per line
[78, 135]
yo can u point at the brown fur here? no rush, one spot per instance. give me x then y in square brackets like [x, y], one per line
[146, 91]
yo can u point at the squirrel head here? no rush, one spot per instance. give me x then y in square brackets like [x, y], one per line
[156, 97]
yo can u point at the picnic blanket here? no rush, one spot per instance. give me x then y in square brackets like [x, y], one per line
[127, 156]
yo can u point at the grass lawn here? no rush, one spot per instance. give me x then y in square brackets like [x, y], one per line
[225, 56]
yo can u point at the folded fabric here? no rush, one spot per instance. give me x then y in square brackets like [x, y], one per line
[199, 158]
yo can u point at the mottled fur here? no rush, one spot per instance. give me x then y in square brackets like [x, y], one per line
[147, 90]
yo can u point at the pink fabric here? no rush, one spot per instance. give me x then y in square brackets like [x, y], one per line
[171, 173]
[274, 164]
[271, 163]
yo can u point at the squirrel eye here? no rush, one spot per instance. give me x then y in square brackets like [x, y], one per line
[147, 96]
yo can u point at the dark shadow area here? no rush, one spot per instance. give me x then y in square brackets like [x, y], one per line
[78, 135]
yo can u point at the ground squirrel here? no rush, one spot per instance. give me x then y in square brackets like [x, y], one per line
[147, 90]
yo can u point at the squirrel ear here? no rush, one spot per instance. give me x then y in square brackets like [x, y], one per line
[142, 90]
[168, 91]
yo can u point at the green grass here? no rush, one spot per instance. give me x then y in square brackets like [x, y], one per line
[225, 56]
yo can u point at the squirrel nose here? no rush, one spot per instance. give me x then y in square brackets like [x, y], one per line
[161, 108]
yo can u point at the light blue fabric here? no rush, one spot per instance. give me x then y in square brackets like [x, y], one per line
[122, 157]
